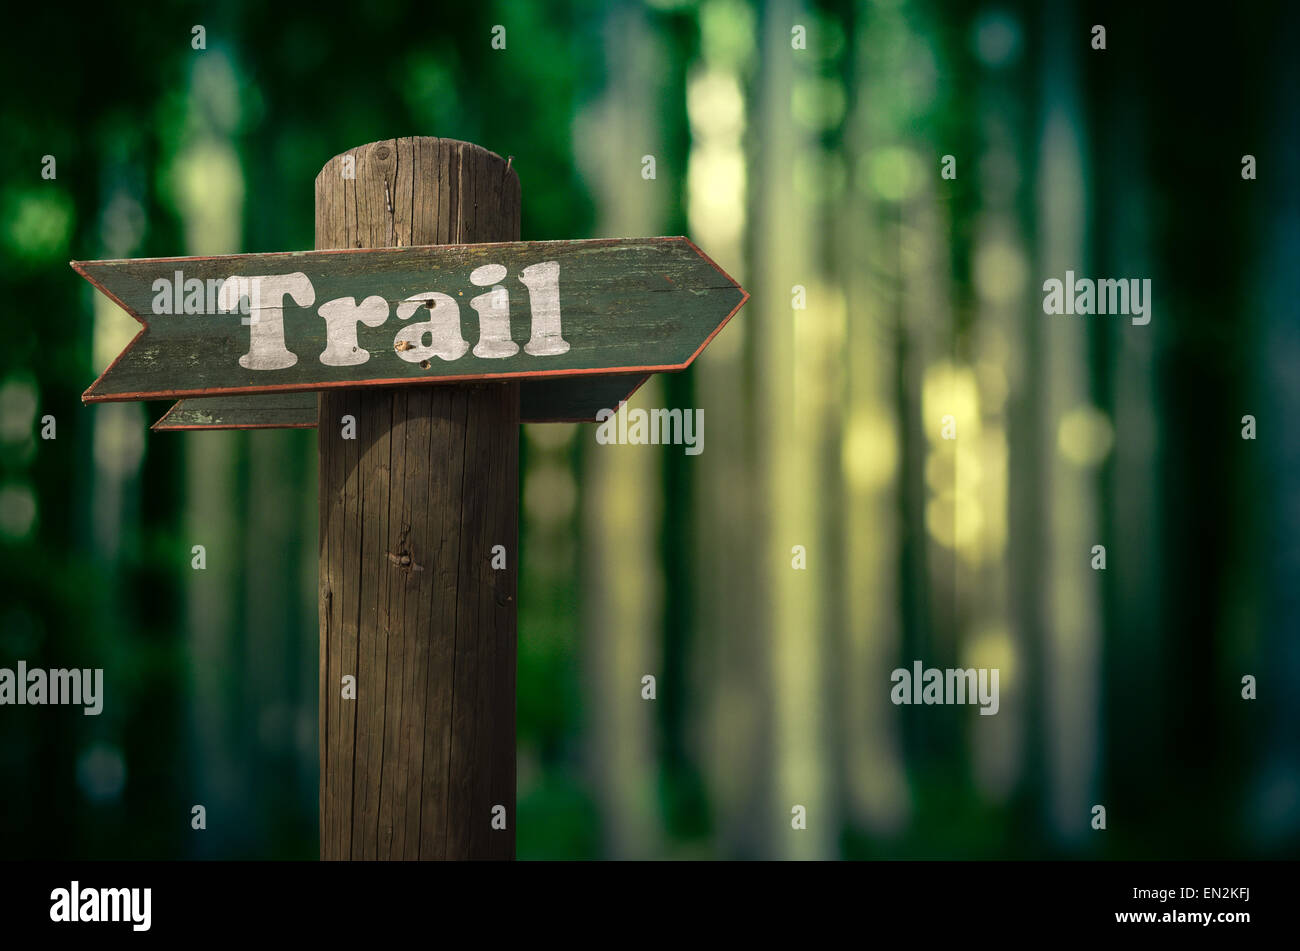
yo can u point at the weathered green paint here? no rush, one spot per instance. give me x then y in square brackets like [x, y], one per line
[627, 305]
[296, 410]
[562, 400]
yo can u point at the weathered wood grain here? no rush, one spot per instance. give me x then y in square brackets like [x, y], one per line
[409, 513]
[562, 400]
[627, 306]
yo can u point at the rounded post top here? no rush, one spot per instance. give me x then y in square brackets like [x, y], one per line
[386, 150]
[416, 190]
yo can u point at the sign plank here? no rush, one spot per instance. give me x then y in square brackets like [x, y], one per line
[314, 320]
[541, 401]
[296, 410]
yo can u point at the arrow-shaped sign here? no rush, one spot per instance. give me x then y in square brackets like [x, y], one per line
[312, 320]
[563, 400]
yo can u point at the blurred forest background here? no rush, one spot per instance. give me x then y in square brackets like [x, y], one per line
[816, 167]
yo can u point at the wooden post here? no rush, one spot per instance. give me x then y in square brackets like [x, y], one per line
[411, 510]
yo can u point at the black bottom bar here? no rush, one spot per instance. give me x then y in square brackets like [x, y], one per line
[979, 901]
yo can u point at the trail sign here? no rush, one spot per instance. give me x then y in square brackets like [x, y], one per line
[549, 400]
[421, 281]
[315, 320]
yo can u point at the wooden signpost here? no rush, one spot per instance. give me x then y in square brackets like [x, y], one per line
[415, 339]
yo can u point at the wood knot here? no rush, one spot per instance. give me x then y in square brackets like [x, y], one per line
[381, 153]
[403, 560]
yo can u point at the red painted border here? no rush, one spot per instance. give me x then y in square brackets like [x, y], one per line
[77, 266]
[90, 397]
